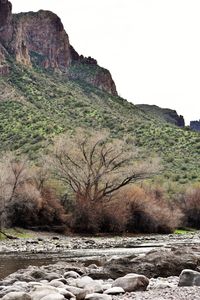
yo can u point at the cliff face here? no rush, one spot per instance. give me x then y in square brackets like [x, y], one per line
[40, 39]
[86, 69]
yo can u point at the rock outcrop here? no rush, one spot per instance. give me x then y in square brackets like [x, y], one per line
[4, 68]
[195, 125]
[39, 38]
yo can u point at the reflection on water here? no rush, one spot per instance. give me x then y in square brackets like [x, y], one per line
[11, 263]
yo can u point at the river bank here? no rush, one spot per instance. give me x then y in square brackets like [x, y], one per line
[160, 258]
[42, 242]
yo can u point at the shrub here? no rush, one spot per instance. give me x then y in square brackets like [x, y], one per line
[84, 218]
[31, 208]
[190, 203]
[149, 212]
[133, 210]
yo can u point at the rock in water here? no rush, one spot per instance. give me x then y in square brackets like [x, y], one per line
[189, 278]
[132, 282]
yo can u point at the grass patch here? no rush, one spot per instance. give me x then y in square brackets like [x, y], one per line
[184, 231]
[15, 232]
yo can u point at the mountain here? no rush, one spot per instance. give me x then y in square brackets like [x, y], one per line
[39, 39]
[47, 88]
[165, 114]
[195, 125]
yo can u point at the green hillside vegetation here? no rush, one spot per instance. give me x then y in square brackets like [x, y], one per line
[36, 106]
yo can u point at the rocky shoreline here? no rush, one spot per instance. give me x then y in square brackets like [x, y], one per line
[69, 281]
[154, 270]
[55, 243]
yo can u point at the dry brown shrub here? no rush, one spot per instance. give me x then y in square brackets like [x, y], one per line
[133, 209]
[31, 208]
[85, 217]
[51, 211]
[24, 208]
[146, 211]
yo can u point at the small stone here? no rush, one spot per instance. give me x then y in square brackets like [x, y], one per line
[79, 293]
[83, 281]
[56, 283]
[54, 297]
[56, 238]
[114, 291]
[71, 274]
[52, 276]
[96, 296]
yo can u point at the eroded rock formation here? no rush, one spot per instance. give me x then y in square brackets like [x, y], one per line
[39, 38]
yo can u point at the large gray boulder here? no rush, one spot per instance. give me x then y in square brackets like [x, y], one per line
[189, 278]
[156, 263]
[132, 282]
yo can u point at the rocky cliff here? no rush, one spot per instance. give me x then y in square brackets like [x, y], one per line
[39, 38]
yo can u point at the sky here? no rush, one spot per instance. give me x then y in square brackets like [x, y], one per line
[151, 47]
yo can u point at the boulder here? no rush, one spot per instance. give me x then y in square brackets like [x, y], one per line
[43, 291]
[189, 278]
[132, 282]
[17, 296]
[52, 276]
[66, 293]
[57, 283]
[78, 292]
[83, 281]
[156, 263]
[71, 274]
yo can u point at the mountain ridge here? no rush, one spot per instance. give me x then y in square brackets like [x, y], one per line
[165, 114]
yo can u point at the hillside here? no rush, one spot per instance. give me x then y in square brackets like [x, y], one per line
[47, 88]
[164, 114]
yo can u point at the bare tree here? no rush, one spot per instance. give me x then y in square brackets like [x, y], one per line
[95, 167]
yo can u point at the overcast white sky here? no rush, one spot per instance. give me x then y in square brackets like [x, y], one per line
[151, 47]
